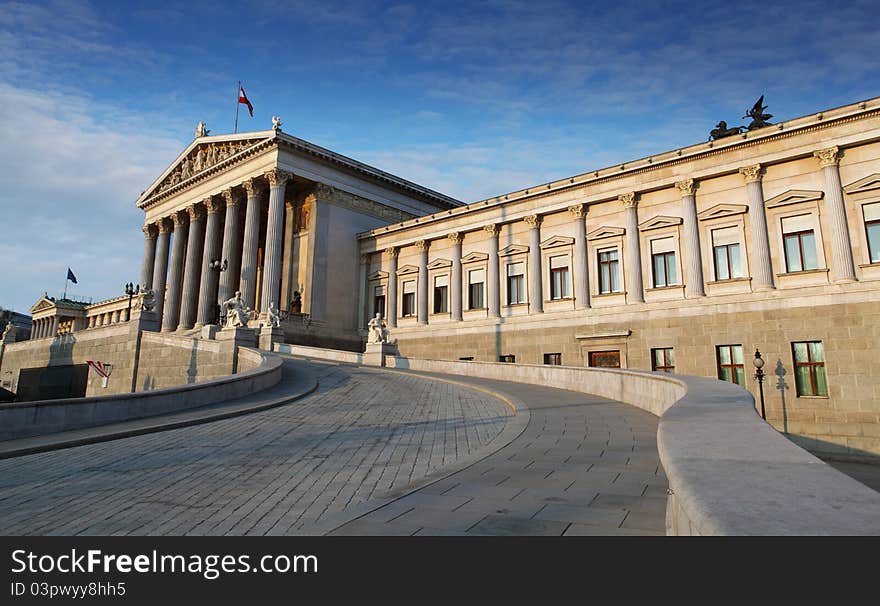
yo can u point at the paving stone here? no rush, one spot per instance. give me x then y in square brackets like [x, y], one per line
[511, 526]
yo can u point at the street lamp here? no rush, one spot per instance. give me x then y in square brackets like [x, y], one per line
[131, 290]
[759, 375]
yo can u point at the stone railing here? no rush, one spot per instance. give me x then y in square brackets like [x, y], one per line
[257, 371]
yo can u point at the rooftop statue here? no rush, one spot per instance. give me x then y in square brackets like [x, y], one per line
[720, 131]
[201, 130]
[276, 122]
[759, 118]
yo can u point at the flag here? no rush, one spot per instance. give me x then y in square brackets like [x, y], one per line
[242, 98]
[70, 276]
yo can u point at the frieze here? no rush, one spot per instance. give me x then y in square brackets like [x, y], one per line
[201, 158]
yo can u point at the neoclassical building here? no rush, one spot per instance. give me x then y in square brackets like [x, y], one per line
[685, 261]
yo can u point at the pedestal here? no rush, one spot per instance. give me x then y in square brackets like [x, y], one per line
[239, 335]
[143, 320]
[270, 335]
[209, 332]
[375, 353]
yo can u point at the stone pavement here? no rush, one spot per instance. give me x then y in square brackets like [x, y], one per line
[583, 466]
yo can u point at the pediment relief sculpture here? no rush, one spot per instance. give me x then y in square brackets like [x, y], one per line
[201, 158]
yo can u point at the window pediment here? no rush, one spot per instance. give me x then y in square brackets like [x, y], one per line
[554, 241]
[605, 232]
[439, 264]
[474, 257]
[659, 222]
[378, 275]
[722, 210]
[793, 196]
[869, 183]
[407, 269]
[513, 249]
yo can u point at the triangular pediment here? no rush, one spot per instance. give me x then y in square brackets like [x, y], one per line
[475, 257]
[554, 241]
[869, 183]
[793, 196]
[378, 275]
[42, 304]
[202, 157]
[722, 210]
[605, 232]
[658, 222]
[513, 249]
[407, 269]
[439, 264]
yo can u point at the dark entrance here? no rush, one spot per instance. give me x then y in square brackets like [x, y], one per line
[52, 382]
[605, 359]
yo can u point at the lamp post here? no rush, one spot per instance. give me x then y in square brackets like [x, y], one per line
[759, 375]
[131, 290]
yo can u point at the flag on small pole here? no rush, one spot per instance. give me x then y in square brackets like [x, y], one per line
[242, 99]
[70, 278]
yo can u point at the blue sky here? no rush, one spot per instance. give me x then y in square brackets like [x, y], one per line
[472, 99]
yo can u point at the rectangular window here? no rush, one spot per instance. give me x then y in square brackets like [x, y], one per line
[516, 292]
[379, 300]
[663, 261]
[508, 358]
[800, 243]
[476, 288]
[553, 359]
[441, 294]
[726, 249]
[559, 277]
[809, 368]
[409, 299]
[605, 359]
[730, 364]
[662, 359]
[872, 229]
[609, 271]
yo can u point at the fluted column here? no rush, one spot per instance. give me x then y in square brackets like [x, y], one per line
[493, 283]
[579, 263]
[634, 285]
[362, 290]
[536, 290]
[455, 287]
[175, 272]
[192, 273]
[422, 247]
[231, 251]
[160, 268]
[694, 268]
[760, 261]
[150, 233]
[287, 262]
[391, 300]
[54, 330]
[248, 282]
[842, 266]
[210, 252]
[274, 238]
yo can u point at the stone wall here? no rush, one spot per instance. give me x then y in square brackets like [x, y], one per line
[166, 361]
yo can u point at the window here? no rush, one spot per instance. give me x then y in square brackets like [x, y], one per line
[872, 230]
[605, 359]
[553, 359]
[507, 358]
[441, 292]
[559, 277]
[516, 283]
[800, 244]
[662, 359]
[726, 249]
[476, 288]
[379, 300]
[730, 364]
[409, 298]
[609, 271]
[809, 368]
[663, 261]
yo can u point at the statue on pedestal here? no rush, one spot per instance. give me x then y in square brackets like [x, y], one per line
[237, 313]
[147, 299]
[273, 316]
[296, 303]
[378, 330]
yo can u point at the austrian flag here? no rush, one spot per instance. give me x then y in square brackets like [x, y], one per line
[242, 98]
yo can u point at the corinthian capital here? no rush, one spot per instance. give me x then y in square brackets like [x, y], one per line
[751, 173]
[392, 251]
[533, 221]
[577, 211]
[324, 191]
[213, 205]
[492, 229]
[277, 177]
[253, 187]
[164, 226]
[628, 200]
[195, 212]
[149, 231]
[179, 218]
[686, 187]
[455, 237]
[421, 245]
[828, 157]
[231, 196]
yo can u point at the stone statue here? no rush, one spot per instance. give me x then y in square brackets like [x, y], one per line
[378, 330]
[276, 122]
[7, 332]
[720, 131]
[212, 155]
[201, 130]
[759, 118]
[147, 299]
[237, 314]
[296, 303]
[273, 316]
[186, 170]
[200, 160]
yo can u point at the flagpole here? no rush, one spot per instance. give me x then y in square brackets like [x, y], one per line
[237, 97]
[64, 296]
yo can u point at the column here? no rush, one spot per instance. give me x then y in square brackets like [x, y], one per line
[193, 272]
[287, 261]
[842, 266]
[760, 262]
[149, 260]
[634, 287]
[391, 301]
[211, 251]
[248, 282]
[274, 238]
[455, 286]
[54, 330]
[693, 271]
[230, 254]
[493, 284]
[160, 268]
[175, 272]
[362, 290]
[536, 290]
[422, 247]
[579, 263]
